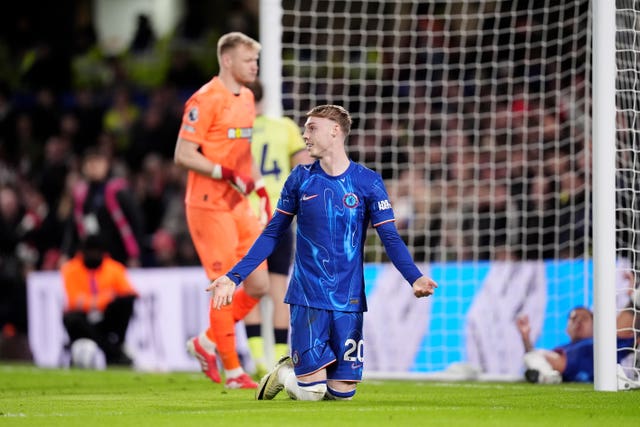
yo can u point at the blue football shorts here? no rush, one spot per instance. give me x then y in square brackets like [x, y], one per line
[327, 339]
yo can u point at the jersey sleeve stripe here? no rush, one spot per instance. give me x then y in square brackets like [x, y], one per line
[284, 212]
[384, 222]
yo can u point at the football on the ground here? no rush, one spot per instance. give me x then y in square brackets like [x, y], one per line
[86, 354]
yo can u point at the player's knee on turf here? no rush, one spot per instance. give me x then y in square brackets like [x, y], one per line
[305, 391]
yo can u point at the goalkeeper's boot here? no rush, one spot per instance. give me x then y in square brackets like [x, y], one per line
[243, 381]
[208, 361]
[270, 384]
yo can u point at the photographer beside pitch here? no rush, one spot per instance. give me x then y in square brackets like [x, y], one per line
[334, 199]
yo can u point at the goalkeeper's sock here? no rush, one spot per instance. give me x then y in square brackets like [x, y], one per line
[242, 303]
[222, 332]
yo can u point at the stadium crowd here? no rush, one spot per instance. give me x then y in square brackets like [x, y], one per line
[62, 95]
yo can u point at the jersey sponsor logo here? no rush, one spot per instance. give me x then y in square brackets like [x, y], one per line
[350, 200]
[192, 115]
[306, 197]
[384, 205]
[239, 133]
[189, 128]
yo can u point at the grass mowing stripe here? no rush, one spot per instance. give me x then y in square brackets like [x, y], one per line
[118, 397]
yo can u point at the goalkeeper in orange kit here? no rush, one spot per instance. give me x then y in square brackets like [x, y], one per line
[214, 145]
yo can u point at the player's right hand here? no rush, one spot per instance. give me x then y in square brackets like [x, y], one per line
[244, 184]
[424, 287]
[222, 290]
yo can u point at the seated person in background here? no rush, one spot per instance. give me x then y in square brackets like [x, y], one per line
[99, 300]
[573, 361]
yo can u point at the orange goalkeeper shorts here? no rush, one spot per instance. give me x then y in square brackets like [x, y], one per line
[222, 238]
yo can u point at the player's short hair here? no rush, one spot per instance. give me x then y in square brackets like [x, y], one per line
[333, 112]
[233, 39]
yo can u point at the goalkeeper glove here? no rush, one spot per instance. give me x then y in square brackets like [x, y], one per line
[265, 204]
[244, 184]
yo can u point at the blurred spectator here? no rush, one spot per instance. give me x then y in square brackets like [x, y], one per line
[89, 70]
[120, 117]
[88, 113]
[8, 150]
[33, 237]
[45, 114]
[29, 153]
[147, 58]
[51, 175]
[184, 71]
[153, 132]
[13, 307]
[144, 38]
[99, 300]
[165, 249]
[150, 189]
[104, 205]
[44, 66]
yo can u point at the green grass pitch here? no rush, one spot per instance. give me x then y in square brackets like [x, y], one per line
[32, 397]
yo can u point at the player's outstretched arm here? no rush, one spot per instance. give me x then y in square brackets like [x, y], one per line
[424, 287]
[222, 290]
[524, 327]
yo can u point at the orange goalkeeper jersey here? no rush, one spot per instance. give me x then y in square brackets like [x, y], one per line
[221, 123]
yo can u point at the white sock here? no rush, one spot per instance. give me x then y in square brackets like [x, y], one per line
[284, 373]
[233, 373]
[206, 343]
[311, 392]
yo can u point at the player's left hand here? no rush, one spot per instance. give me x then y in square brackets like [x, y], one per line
[222, 290]
[424, 287]
[265, 204]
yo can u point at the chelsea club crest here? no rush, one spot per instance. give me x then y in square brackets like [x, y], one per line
[350, 200]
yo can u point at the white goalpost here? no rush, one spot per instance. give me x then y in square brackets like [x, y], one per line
[604, 195]
[493, 125]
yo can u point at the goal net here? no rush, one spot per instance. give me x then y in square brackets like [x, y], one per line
[477, 116]
[627, 201]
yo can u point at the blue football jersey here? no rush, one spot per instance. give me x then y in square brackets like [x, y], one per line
[333, 214]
